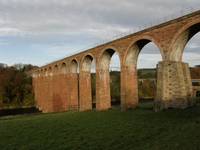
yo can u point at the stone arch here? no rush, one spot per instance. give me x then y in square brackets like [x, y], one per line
[105, 57]
[74, 67]
[41, 72]
[85, 80]
[46, 72]
[130, 97]
[103, 88]
[175, 79]
[56, 68]
[86, 63]
[181, 39]
[131, 55]
[50, 71]
[63, 68]
[73, 84]
[38, 73]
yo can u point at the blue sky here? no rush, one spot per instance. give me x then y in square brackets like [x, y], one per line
[41, 31]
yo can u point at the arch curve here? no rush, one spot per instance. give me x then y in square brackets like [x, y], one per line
[63, 68]
[181, 39]
[73, 66]
[105, 58]
[50, 71]
[55, 69]
[45, 72]
[86, 63]
[132, 52]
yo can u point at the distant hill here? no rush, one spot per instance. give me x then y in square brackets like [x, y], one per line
[146, 73]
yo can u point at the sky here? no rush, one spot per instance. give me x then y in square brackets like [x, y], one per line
[40, 31]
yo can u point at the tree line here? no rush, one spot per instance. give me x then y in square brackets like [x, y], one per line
[16, 86]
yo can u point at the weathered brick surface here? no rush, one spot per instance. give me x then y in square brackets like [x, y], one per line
[57, 97]
[58, 92]
[103, 98]
[174, 89]
[129, 88]
[64, 89]
[73, 91]
[85, 91]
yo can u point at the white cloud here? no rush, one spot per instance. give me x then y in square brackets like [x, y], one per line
[6, 31]
[148, 60]
[72, 16]
[79, 22]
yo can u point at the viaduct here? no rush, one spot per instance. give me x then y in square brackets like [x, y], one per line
[66, 84]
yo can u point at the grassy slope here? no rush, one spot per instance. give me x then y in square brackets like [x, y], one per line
[135, 129]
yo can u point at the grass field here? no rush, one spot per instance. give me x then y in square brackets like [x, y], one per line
[140, 129]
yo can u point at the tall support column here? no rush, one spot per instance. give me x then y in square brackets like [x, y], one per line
[50, 93]
[103, 97]
[174, 85]
[73, 91]
[38, 98]
[85, 91]
[45, 91]
[45, 97]
[64, 91]
[42, 100]
[58, 93]
[55, 96]
[129, 88]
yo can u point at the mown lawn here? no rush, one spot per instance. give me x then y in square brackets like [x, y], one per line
[135, 129]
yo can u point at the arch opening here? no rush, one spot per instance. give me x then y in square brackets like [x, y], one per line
[50, 71]
[74, 101]
[142, 58]
[106, 58]
[110, 64]
[88, 69]
[74, 66]
[191, 55]
[180, 43]
[56, 68]
[87, 63]
[45, 72]
[64, 68]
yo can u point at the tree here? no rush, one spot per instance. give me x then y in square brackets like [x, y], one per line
[16, 86]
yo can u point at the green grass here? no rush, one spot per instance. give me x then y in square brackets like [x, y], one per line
[140, 129]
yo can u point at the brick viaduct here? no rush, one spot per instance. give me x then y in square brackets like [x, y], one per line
[66, 84]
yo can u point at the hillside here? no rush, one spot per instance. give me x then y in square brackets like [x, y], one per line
[140, 129]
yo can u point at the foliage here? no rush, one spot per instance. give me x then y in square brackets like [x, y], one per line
[146, 83]
[115, 86]
[146, 88]
[15, 86]
[146, 73]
